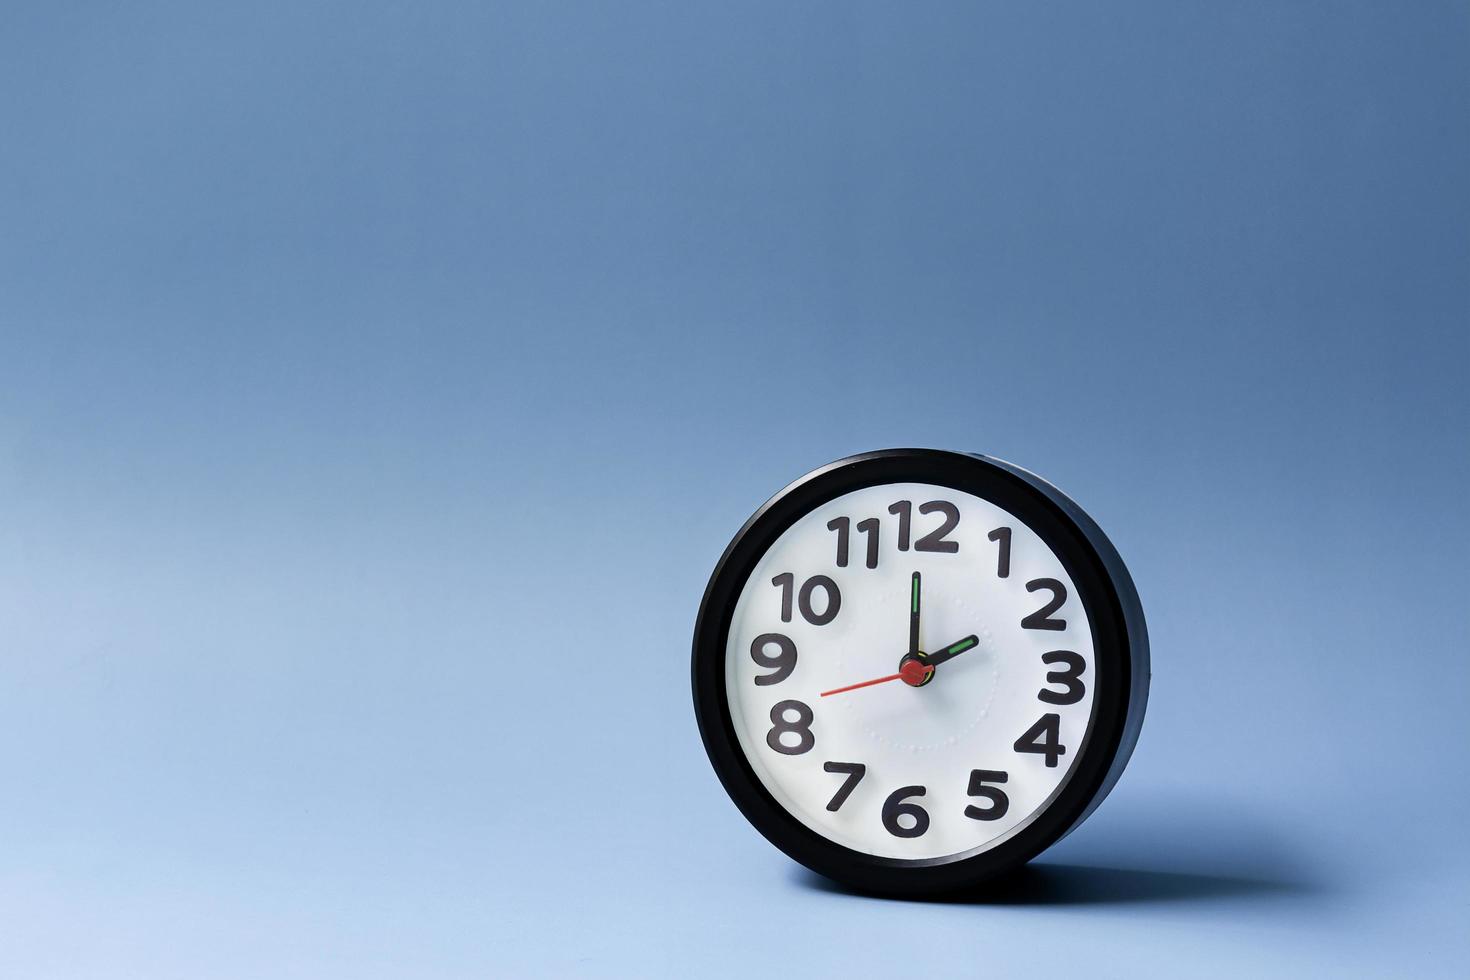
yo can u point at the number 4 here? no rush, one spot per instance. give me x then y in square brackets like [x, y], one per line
[1043, 738]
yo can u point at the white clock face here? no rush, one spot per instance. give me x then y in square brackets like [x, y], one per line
[894, 754]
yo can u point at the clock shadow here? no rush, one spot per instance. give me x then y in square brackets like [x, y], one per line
[1076, 884]
[1142, 857]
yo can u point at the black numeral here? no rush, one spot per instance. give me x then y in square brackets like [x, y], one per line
[841, 525]
[1040, 619]
[934, 540]
[854, 772]
[1042, 739]
[783, 661]
[1071, 677]
[831, 605]
[801, 728]
[786, 582]
[870, 529]
[999, 802]
[1002, 535]
[894, 807]
[905, 511]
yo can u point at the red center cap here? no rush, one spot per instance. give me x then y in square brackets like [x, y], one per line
[913, 673]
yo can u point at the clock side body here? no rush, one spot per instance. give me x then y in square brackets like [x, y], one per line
[1119, 640]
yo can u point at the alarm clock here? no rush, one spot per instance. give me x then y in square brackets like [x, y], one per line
[914, 670]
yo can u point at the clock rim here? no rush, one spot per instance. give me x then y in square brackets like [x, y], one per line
[1119, 642]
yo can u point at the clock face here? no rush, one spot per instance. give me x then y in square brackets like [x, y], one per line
[915, 670]
[910, 672]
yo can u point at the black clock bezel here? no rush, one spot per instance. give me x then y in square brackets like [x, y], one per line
[1120, 644]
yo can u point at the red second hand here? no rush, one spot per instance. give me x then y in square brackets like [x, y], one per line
[912, 673]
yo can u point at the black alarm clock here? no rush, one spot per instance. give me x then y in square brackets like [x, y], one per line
[915, 670]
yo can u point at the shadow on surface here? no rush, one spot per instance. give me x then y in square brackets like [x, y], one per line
[1072, 884]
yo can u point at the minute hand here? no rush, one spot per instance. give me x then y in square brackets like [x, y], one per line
[953, 650]
[914, 615]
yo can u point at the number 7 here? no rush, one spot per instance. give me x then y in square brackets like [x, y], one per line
[854, 771]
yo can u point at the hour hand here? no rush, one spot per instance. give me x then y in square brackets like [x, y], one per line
[953, 650]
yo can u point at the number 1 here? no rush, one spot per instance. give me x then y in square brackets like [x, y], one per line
[1002, 535]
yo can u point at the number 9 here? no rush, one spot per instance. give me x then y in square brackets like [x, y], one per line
[783, 663]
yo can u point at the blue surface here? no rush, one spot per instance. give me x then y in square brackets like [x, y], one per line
[355, 358]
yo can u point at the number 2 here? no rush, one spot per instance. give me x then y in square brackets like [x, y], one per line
[1041, 619]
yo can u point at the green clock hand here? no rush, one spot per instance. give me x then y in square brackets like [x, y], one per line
[914, 615]
[953, 650]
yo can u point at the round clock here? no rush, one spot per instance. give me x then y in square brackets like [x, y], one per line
[915, 670]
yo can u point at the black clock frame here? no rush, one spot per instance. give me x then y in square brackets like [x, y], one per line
[1119, 638]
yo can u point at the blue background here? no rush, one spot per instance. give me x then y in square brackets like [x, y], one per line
[380, 382]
